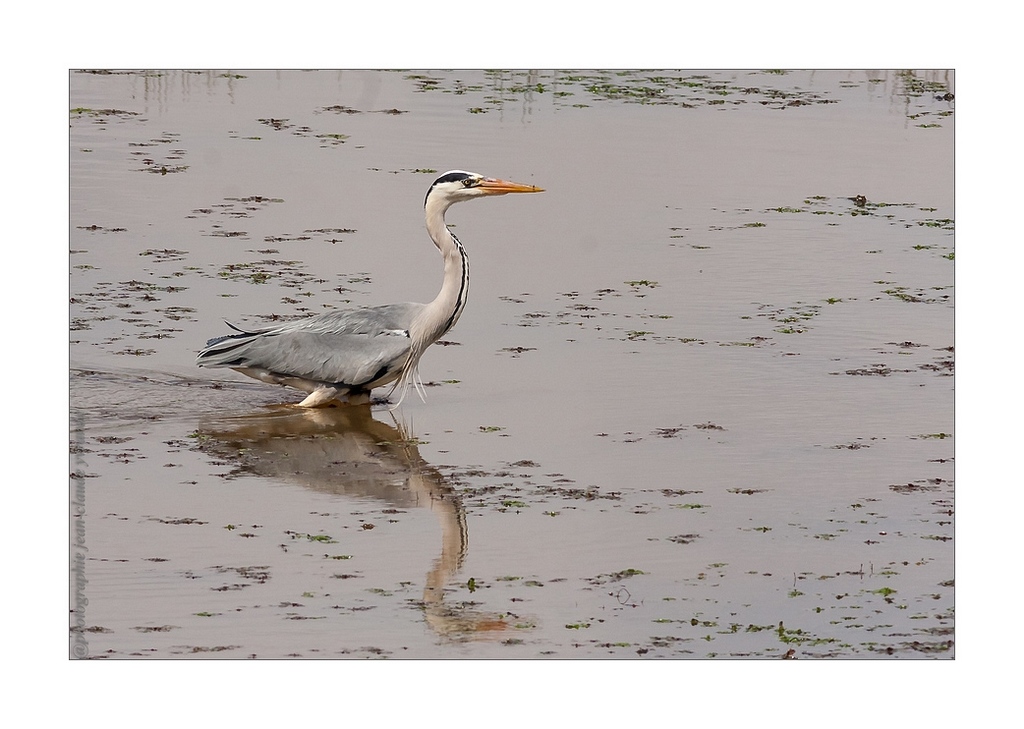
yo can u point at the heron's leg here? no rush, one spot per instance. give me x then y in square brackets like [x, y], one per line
[320, 397]
[358, 398]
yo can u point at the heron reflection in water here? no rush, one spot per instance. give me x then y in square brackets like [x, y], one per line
[343, 355]
[346, 451]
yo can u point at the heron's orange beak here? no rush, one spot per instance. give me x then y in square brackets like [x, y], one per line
[492, 186]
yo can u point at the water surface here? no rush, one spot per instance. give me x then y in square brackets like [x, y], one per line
[700, 402]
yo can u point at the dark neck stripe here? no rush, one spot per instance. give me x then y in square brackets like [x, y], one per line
[460, 301]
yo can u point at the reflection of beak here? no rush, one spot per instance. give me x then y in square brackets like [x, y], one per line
[492, 186]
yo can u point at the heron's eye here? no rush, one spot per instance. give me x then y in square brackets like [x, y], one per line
[470, 182]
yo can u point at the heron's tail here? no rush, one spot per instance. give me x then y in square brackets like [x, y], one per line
[224, 351]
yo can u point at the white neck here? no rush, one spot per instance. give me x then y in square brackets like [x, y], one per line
[441, 314]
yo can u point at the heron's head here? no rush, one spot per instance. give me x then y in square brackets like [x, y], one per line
[456, 186]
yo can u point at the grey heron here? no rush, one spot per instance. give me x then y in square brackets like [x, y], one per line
[343, 355]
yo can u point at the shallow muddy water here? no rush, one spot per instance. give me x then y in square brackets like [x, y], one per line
[700, 403]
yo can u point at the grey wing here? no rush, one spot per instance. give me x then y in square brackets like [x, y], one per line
[355, 347]
[366, 320]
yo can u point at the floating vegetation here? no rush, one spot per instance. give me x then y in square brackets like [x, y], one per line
[919, 296]
[879, 370]
[339, 109]
[161, 255]
[917, 486]
[333, 139]
[101, 115]
[516, 351]
[161, 169]
[792, 319]
[862, 206]
[684, 538]
[615, 576]
[257, 272]
[582, 89]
